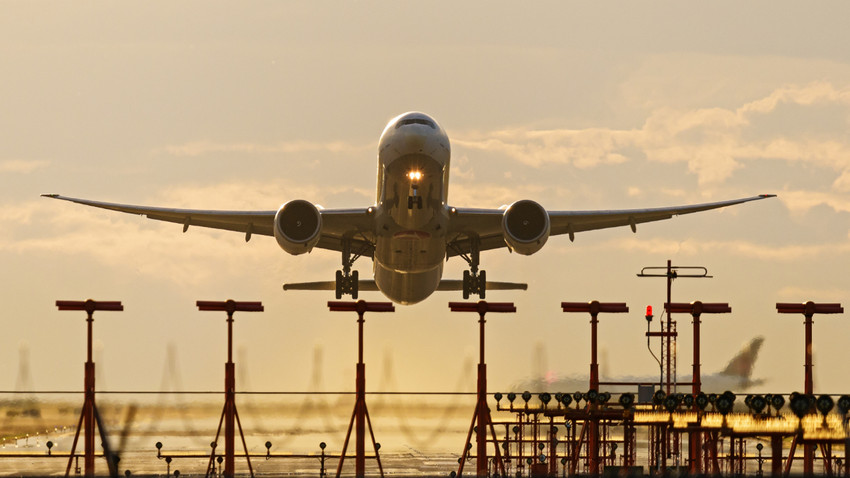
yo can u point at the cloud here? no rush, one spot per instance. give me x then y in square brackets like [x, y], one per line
[714, 142]
[159, 250]
[741, 248]
[801, 201]
[22, 166]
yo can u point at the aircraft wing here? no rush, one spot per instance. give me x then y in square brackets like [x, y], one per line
[485, 225]
[336, 223]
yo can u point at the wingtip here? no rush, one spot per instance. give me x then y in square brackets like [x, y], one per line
[764, 196]
[54, 196]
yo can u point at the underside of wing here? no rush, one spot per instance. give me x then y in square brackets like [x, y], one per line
[482, 228]
[341, 227]
[571, 222]
[253, 222]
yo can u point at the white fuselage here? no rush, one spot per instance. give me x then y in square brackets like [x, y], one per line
[411, 211]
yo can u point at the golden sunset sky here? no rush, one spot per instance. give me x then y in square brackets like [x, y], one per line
[223, 105]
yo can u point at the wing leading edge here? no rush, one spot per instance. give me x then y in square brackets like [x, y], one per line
[485, 225]
[352, 224]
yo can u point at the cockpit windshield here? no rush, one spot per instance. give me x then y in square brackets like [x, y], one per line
[408, 121]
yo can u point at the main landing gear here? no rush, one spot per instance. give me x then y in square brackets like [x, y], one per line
[474, 282]
[347, 281]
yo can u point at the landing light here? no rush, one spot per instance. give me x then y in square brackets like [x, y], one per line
[415, 175]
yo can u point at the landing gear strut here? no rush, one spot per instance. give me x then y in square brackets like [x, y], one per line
[347, 281]
[474, 282]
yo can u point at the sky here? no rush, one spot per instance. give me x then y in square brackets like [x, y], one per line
[602, 105]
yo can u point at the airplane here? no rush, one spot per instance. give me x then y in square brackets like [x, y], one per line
[411, 230]
[736, 376]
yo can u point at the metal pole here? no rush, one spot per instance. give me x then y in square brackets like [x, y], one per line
[360, 412]
[776, 455]
[809, 449]
[669, 321]
[88, 405]
[483, 411]
[593, 429]
[229, 389]
[695, 437]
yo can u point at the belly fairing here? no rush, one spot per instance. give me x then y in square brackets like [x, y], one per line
[407, 287]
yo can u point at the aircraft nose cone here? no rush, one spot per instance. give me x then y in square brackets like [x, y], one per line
[414, 141]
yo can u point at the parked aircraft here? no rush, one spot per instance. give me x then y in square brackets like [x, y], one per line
[736, 376]
[411, 230]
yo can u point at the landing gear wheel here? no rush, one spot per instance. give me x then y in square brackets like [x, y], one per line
[354, 284]
[482, 284]
[419, 202]
[339, 284]
[474, 284]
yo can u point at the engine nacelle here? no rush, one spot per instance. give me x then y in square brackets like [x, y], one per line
[525, 225]
[298, 226]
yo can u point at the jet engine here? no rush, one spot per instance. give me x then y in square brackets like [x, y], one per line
[297, 226]
[525, 225]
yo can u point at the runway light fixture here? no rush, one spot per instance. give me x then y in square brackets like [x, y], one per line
[843, 404]
[825, 403]
[511, 397]
[648, 315]
[577, 396]
[701, 400]
[545, 397]
[757, 404]
[688, 400]
[800, 404]
[671, 403]
[658, 397]
[566, 399]
[498, 397]
[777, 402]
[526, 396]
[592, 396]
[604, 397]
[627, 400]
[725, 403]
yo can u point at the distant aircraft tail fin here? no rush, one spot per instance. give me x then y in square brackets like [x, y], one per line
[741, 365]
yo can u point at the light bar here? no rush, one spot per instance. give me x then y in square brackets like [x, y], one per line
[809, 308]
[89, 305]
[698, 308]
[230, 306]
[360, 306]
[595, 307]
[482, 307]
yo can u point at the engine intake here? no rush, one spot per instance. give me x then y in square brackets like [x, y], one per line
[525, 225]
[297, 226]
